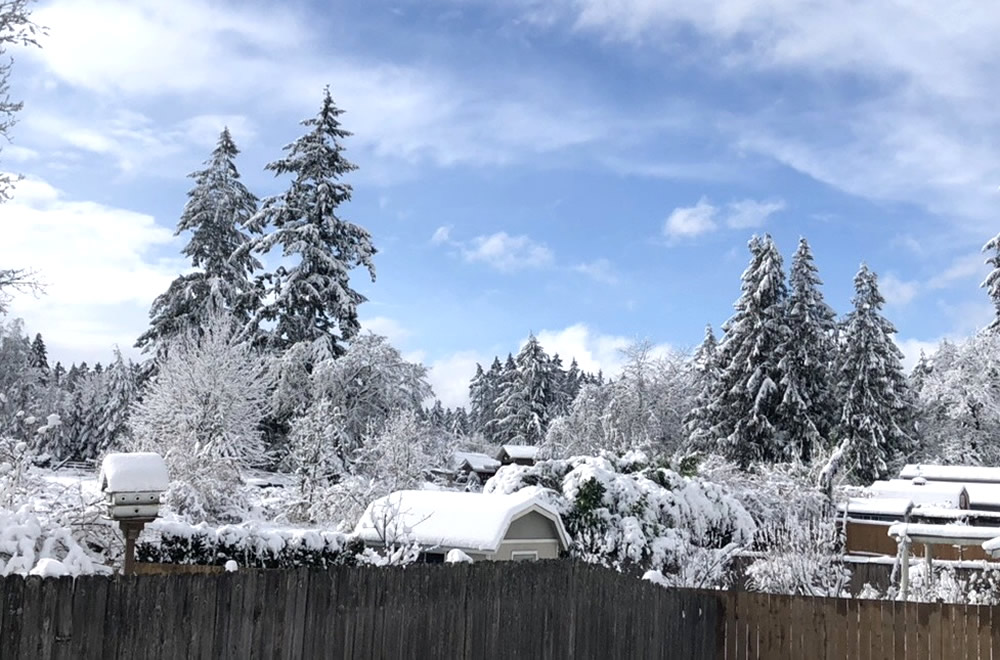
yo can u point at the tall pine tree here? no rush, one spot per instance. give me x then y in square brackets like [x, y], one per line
[992, 281]
[523, 414]
[876, 404]
[702, 419]
[218, 210]
[808, 407]
[749, 393]
[312, 300]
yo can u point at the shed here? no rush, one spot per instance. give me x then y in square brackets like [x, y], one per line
[493, 527]
[518, 454]
[470, 462]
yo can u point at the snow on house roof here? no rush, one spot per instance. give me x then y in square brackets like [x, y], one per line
[477, 462]
[939, 493]
[963, 473]
[133, 472]
[449, 519]
[520, 452]
[948, 534]
[889, 506]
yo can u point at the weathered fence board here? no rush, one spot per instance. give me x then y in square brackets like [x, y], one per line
[536, 610]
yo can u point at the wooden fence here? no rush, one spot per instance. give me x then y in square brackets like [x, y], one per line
[490, 610]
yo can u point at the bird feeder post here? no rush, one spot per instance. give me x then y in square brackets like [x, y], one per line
[132, 484]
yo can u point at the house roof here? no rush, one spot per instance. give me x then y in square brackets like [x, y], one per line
[475, 461]
[963, 473]
[133, 472]
[519, 452]
[450, 519]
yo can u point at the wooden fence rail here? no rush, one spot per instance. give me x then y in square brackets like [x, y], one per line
[502, 610]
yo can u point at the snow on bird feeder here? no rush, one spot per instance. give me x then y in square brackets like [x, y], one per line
[132, 484]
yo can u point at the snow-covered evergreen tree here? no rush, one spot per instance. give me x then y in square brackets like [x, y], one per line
[523, 413]
[749, 394]
[118, 400]
[311, 299]
[702, 419]
[992, 281]
[876, 408]
[217, 213]
[436, 416]
[40, 359]
[808, 358]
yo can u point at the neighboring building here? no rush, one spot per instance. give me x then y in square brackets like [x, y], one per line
[517, 455]
[939, 510]
[516, 527]
[966, 474]
[468, 463]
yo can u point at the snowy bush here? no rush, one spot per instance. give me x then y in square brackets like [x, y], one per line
[26, 539]
[623, 512]
[202, 414]
[249, 545]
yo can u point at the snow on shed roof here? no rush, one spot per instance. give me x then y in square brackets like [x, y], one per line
[519, 452]
[992, 547]
[476, 461]
[964, 473]
[931, 492]
[450, 519]
[983, 494]
[947, 534]
[134, 472]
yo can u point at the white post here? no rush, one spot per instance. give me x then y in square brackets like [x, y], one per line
[928, 561]
[904, 578]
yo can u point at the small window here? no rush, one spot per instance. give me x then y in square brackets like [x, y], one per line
[524, 555]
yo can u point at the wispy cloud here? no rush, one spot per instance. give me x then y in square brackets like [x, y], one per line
[600, 270]
[897, 291]
[507, 253]
[704, 217]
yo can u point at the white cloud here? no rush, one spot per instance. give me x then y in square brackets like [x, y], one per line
[911, 349]
[593, 351]
[599, 270]
[17, 153]
[450, 376]
[441, 235]
[749, 213]
[235, 54]
[971, 266]
[897, 291]
[387, 327]
[690, 221]
[507, 253]
[704, 217]
[98, 263]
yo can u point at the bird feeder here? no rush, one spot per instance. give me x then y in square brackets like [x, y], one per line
[132, 484]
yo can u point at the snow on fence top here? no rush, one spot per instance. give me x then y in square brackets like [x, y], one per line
[882, 506]
[134, 472]
[962, 473]
[944, 534]
[992, 547]
[449, 519]
[922, 493]
[476, 462]
[519, 452]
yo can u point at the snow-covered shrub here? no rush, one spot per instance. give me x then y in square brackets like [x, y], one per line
[800, 557]
[27, 539]
[248, 544]
[202, 414]
[625, 513]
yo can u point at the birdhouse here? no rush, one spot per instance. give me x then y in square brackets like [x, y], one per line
[132, 484]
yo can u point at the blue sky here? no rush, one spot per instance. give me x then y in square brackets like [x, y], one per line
[585, 170]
